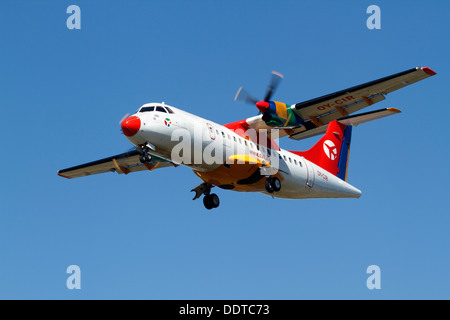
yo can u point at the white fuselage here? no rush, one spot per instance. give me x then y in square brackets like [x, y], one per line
[204, 146]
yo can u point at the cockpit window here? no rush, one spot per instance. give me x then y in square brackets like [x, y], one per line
[170, 110]
[156, 108]
[147, 109]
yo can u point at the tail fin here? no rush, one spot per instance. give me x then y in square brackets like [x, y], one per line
[332, 151]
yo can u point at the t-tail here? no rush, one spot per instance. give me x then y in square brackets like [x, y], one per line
[332, 151]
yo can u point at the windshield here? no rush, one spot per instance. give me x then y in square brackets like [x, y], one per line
[147, 109]
[155, 108]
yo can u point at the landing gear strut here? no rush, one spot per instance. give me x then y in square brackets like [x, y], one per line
[273, 184]
[144, 155]
[210, 200]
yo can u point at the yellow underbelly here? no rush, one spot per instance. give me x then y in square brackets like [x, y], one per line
[237, 177]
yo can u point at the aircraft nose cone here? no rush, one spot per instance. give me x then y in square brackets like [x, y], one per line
[130, 126]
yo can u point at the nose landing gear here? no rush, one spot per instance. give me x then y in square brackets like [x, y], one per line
[144, 155]
[143, 158]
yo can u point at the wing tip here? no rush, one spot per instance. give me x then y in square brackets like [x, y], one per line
[394, 110]
[428, 71]
[61, 175]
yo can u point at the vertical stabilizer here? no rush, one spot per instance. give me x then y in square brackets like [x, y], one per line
[332, 151]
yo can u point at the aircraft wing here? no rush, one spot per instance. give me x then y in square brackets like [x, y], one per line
[122, 163]
[344, 102]
[320, 111]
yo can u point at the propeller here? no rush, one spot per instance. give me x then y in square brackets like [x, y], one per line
[123, 118]
[274, 82]
[244, 96]
[262, 105]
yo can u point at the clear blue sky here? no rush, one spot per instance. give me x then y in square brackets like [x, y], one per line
[63, 92]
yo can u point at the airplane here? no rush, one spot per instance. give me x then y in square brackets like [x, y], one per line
[244, 156]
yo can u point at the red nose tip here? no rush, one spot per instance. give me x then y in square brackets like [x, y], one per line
[130, 126]
[263, 106]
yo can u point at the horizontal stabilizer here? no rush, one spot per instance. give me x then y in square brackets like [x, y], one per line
[352, 120]
[358, 119]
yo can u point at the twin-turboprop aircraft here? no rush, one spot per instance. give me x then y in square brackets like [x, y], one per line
[243, 155]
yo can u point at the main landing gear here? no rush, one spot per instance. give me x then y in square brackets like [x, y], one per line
[144, 155]
[210, 200]
[273, 184]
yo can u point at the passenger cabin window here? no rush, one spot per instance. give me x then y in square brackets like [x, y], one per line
[161, 109]
[284, 157]
[147, 109]
[295, 162]
[290, 160]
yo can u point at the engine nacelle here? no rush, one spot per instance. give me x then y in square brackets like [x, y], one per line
[278, 114]
[272, 120]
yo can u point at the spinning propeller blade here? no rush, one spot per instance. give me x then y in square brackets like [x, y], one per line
[244, 96]
[123, 118]
[274, 82]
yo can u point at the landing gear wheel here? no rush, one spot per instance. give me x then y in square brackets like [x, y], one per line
[211, 201]
[276, 184]
[273, 184]
[145, 157]
[269, 186]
